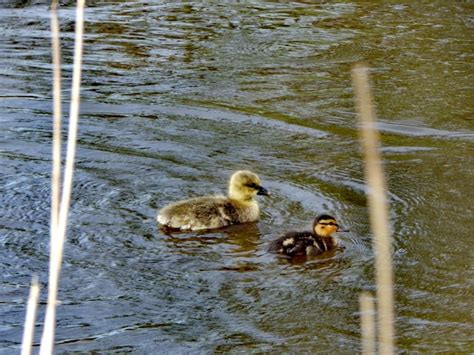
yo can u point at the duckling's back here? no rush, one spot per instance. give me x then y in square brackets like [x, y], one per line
[292, 243]
[198, 213]
[302, 243]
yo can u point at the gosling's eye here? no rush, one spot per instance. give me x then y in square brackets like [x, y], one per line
[253, 186]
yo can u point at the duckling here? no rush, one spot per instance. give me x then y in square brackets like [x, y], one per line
[309, 243]
[209, 212]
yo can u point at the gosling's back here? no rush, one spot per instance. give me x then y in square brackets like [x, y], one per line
[207, 212]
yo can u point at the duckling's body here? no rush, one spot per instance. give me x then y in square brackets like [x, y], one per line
[309, 243]
[209, 212]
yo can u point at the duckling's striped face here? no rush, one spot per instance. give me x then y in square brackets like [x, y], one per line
[245, 185]
[325, 226]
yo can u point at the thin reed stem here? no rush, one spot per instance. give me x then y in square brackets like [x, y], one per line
[31, 308]
[378, 207]
[57, 241]
[367, 323]
[56, 171]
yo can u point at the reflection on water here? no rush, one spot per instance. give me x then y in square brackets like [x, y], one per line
[177, 96]
[242, 239]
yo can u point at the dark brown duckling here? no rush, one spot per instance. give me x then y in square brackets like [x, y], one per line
[309, 243]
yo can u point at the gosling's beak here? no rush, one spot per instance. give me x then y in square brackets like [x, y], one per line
[263, 191]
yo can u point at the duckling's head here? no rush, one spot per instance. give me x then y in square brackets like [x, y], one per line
[244, 185]
[325, 225]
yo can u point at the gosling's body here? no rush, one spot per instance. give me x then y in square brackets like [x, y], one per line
[209, 212]
[310, 243]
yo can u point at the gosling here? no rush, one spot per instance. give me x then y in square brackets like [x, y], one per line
[209, 212]
[310, 243]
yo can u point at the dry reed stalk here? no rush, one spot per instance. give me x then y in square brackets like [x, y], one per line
[378, 207]
[367, 323]
[57, 240]
[32, 306]
[56, 171]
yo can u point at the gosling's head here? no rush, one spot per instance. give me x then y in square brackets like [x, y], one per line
[244, 185]
[325, 225]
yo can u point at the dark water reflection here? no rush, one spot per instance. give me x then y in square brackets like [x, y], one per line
[175, 98]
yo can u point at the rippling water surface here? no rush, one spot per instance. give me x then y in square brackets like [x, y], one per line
[178, 96]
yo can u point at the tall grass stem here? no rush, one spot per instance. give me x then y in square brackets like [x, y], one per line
[367, 323]
[57, 240]
[56, 171]
[378, 207]
[30, 319]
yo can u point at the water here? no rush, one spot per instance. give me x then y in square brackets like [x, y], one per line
[178, 96]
